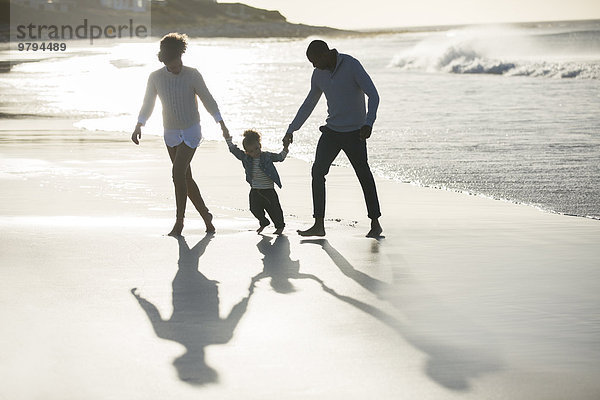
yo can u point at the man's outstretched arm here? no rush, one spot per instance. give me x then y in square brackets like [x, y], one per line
[307, 107]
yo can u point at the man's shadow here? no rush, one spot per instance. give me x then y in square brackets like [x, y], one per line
[452, 366]
[195, 322]
[278, 265]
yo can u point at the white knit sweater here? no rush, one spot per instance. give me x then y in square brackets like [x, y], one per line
[177, 94]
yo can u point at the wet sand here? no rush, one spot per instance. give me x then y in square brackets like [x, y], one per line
[464, 298]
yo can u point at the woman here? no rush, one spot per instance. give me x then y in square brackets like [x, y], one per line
[177, 87]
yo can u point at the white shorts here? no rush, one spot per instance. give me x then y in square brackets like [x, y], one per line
[191, 136]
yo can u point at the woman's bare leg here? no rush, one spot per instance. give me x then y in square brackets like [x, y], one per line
[193, 193]
[181, 156]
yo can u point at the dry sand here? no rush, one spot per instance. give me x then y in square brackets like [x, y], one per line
[465, 297]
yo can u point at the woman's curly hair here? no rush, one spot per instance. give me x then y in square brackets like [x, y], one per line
[172, 46]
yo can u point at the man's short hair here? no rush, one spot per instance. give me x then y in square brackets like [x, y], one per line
[317, 47]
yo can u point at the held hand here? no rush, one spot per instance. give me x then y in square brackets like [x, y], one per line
[137, 134]
[287, 139]
[226, 134]
[365, 132]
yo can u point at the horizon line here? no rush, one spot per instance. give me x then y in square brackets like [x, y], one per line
[454, 25]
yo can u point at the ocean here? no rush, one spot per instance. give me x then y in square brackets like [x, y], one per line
[510, 112]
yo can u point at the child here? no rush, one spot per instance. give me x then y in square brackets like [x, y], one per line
[261, 174]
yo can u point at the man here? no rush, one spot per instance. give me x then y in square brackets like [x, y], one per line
[345, 83]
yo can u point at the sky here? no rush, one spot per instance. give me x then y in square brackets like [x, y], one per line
[371, 14]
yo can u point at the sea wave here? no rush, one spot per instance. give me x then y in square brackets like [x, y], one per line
[463, 61]
[508, 53]
[575, 37]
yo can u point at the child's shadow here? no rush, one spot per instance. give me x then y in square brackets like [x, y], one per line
[195, 322]
[278, 266]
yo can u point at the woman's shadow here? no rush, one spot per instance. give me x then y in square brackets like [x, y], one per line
[195, 322]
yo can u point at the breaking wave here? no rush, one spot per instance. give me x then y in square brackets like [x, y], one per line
[506, 53]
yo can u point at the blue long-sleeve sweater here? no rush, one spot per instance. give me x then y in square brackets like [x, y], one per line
[345, 90]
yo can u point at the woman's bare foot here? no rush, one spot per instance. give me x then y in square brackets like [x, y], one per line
[318, 229]
[177, 228]
[210, 228]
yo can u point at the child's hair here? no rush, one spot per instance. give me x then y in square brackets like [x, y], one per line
[172, 46]
[251, 137]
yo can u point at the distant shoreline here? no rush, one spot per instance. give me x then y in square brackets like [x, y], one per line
[435, 28]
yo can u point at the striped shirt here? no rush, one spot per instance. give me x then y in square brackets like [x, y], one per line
[260, 180]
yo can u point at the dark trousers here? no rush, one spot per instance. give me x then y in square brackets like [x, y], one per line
[262, 200]
[329, 146]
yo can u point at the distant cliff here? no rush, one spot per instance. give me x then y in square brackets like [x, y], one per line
[206, 19]
[197, 18]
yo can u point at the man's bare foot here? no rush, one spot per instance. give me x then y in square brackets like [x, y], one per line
[177, 228]
[314, 230]
[376, 229]
[262, 227]
[210, 228]
[278, 231]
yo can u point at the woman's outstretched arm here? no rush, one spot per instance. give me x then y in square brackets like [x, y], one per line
[153, 314]
[146, 110]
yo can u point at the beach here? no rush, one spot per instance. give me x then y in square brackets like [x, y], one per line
[507, 112]
[465, 297]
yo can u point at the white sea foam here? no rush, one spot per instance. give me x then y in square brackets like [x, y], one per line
[504, 51]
